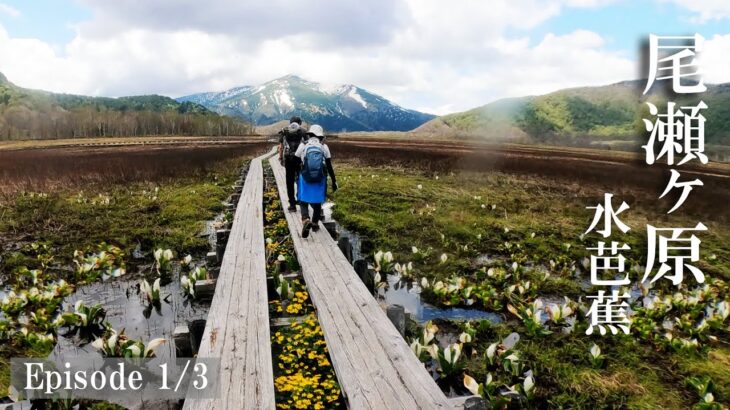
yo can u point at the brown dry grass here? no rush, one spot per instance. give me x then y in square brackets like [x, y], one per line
[52, 169]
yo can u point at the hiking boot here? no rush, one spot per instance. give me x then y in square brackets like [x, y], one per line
[306, 228]
[292, 208]
[315, 226]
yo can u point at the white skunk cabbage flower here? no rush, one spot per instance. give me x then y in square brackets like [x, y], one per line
[152, 345]
[136, 351]
[433, 351]
[112, 342]
[378, 258]
[595, 351]
[471, 384]
[457, 352]
[98, 343]
[529, 383]
[491, 350]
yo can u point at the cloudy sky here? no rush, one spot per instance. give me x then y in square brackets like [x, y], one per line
[433, 55]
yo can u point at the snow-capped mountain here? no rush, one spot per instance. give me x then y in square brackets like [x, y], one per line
[336, 108]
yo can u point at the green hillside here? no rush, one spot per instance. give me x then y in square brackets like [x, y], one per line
[32, 114]
[586, 115]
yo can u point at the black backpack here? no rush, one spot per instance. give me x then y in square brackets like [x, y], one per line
[291, 141]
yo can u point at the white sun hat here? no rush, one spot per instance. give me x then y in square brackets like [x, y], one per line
[316, 130]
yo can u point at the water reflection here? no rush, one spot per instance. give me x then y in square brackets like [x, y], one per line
[408, 295]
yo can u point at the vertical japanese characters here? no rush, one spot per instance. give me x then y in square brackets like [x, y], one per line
[677, 136]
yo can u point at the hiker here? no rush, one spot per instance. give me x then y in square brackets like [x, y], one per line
[290, 139]
[316, 164]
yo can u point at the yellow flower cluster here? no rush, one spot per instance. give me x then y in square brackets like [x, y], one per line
[298, 305]
[306, 378]
[276, 225]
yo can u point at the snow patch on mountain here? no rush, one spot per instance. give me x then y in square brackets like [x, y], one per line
[283, 99]
[355, 96]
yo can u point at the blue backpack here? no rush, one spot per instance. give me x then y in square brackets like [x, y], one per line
[313, 166]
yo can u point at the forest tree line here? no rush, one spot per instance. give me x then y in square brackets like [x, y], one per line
[21, 122]
[31, 114]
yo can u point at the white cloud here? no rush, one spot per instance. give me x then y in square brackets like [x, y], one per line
[589, 3]
[428, 54]
[9, 10]
[705, 10]
[715, 59]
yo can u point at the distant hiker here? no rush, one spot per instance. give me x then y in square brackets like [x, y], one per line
[316, 164]
[290, 139]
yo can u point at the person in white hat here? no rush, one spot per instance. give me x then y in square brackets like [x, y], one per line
[312, 188]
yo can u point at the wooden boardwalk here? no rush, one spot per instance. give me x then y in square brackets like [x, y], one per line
[237, 329]
[374, 365]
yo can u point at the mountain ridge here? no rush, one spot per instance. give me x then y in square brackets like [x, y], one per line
[610, 115]
[345, 107]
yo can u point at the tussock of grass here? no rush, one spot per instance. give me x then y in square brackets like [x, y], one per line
[716, 365]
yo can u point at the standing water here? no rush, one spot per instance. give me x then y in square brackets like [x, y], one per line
[406, 294]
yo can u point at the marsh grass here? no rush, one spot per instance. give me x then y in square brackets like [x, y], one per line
[165, 211]
[398, 208]
[144, 215]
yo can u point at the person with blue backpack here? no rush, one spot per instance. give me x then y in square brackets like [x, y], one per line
[312, 188]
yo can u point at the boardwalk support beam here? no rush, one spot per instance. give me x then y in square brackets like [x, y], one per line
[346, 247]
[181, 337]
[211, 258]
[397, 315]
[205, 289]
[365, 274]
[331, 227]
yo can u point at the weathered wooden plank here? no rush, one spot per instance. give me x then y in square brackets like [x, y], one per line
[366, 341]
[237, 330]
[374, 365]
